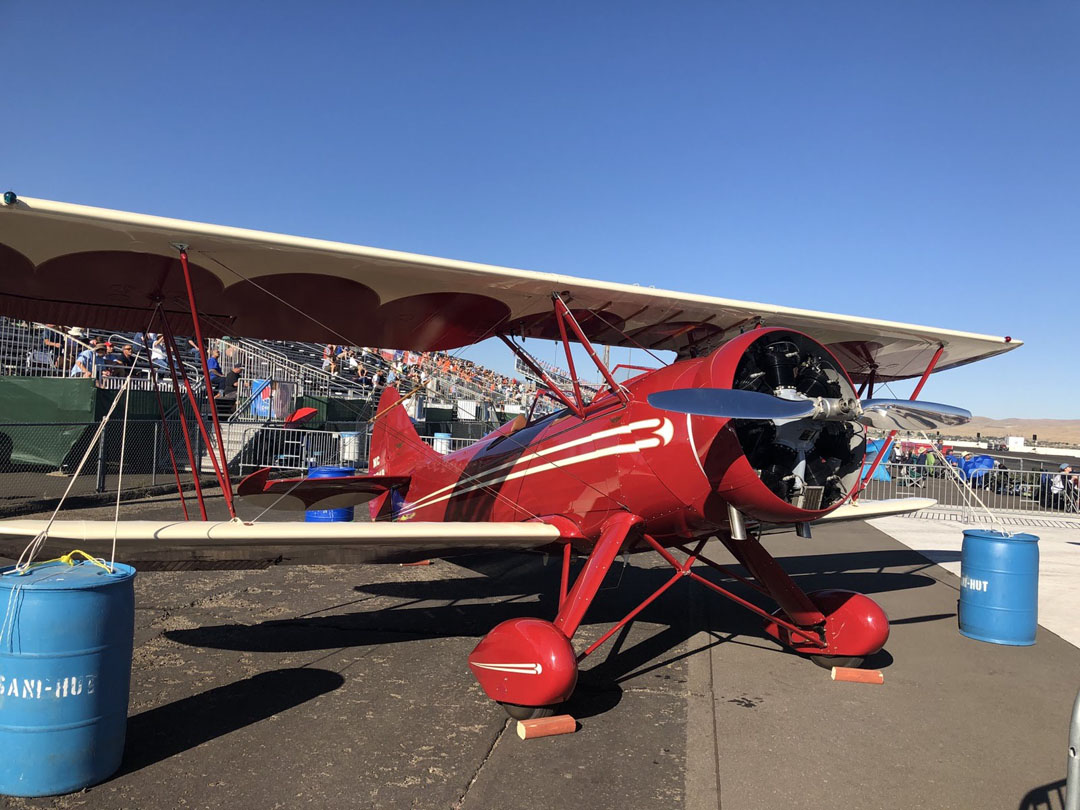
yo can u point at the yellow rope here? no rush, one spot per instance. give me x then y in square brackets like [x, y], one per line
[67, 559]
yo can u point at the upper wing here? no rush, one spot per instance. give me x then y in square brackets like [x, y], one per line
[267, 285]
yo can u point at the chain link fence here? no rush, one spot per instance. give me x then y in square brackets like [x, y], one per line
[38, 460]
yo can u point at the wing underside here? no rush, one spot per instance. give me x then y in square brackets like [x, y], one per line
[254, 284]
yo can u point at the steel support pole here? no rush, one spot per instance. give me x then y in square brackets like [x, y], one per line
[153, 461]
[1072, 772]
[100, 486]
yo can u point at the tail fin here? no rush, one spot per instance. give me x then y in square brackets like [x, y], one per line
[396, 447]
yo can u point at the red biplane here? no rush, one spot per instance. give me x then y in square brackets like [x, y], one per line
[756, 424]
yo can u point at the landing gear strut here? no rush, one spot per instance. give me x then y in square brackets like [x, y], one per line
[529, 665]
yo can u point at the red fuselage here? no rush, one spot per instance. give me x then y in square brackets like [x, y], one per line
[676, 472]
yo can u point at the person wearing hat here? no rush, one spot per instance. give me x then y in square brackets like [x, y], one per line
[232, 379]
[1059, 491]
[89, 362]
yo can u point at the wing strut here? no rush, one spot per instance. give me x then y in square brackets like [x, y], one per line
[577, 405]
[888, 441]
[226, 487]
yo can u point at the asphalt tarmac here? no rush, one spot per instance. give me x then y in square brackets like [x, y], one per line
[345, 686]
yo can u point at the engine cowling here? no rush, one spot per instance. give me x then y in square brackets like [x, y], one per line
[784, 470]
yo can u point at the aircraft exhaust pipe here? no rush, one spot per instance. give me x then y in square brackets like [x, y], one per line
[737, 524]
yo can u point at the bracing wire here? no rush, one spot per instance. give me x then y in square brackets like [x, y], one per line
[34, 546]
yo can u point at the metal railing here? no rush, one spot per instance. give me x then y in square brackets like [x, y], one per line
[44, 350]
[262, 364]
[445, 444]
[38, 350]
[1001, 490]
[297, 449]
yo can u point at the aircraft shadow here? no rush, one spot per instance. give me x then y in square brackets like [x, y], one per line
[471, 606]
[160, 733]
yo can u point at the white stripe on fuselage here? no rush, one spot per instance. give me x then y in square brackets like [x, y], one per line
[662, 429]
[519, 669]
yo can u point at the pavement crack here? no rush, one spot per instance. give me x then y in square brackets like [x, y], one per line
[476, 774]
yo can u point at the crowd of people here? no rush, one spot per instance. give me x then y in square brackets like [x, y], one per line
[1056, 490]
[437, 372]
[74, 352]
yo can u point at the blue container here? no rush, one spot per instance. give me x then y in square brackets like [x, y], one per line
[330, 515]
[999, 587]
[65, 669]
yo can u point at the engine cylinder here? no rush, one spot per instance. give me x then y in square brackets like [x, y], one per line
[784, 470]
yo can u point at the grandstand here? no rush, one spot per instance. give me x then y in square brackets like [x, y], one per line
[447, 396]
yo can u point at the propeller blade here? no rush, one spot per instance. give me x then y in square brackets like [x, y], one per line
[904, 414]
[731, 404]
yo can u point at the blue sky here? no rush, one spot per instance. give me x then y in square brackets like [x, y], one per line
[914, 161]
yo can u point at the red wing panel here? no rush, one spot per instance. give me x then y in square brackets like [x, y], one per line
[302, 494]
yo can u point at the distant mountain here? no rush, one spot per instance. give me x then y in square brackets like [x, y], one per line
[1049, 431]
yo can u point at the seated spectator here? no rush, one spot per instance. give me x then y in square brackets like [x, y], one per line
[213, 366]
[73, 345]
[1058, 491]
[232, 380]
[331, 352]
[50, 343]
[157, 349]
[89, 362]
[126, 358]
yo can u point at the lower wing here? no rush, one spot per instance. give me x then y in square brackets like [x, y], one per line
[216, 541]
[865, 510]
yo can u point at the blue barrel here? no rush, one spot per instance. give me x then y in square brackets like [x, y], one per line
[330, 515]
[999, 587]
[65, 669]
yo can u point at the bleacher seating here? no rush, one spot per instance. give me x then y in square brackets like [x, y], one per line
[443, 376]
